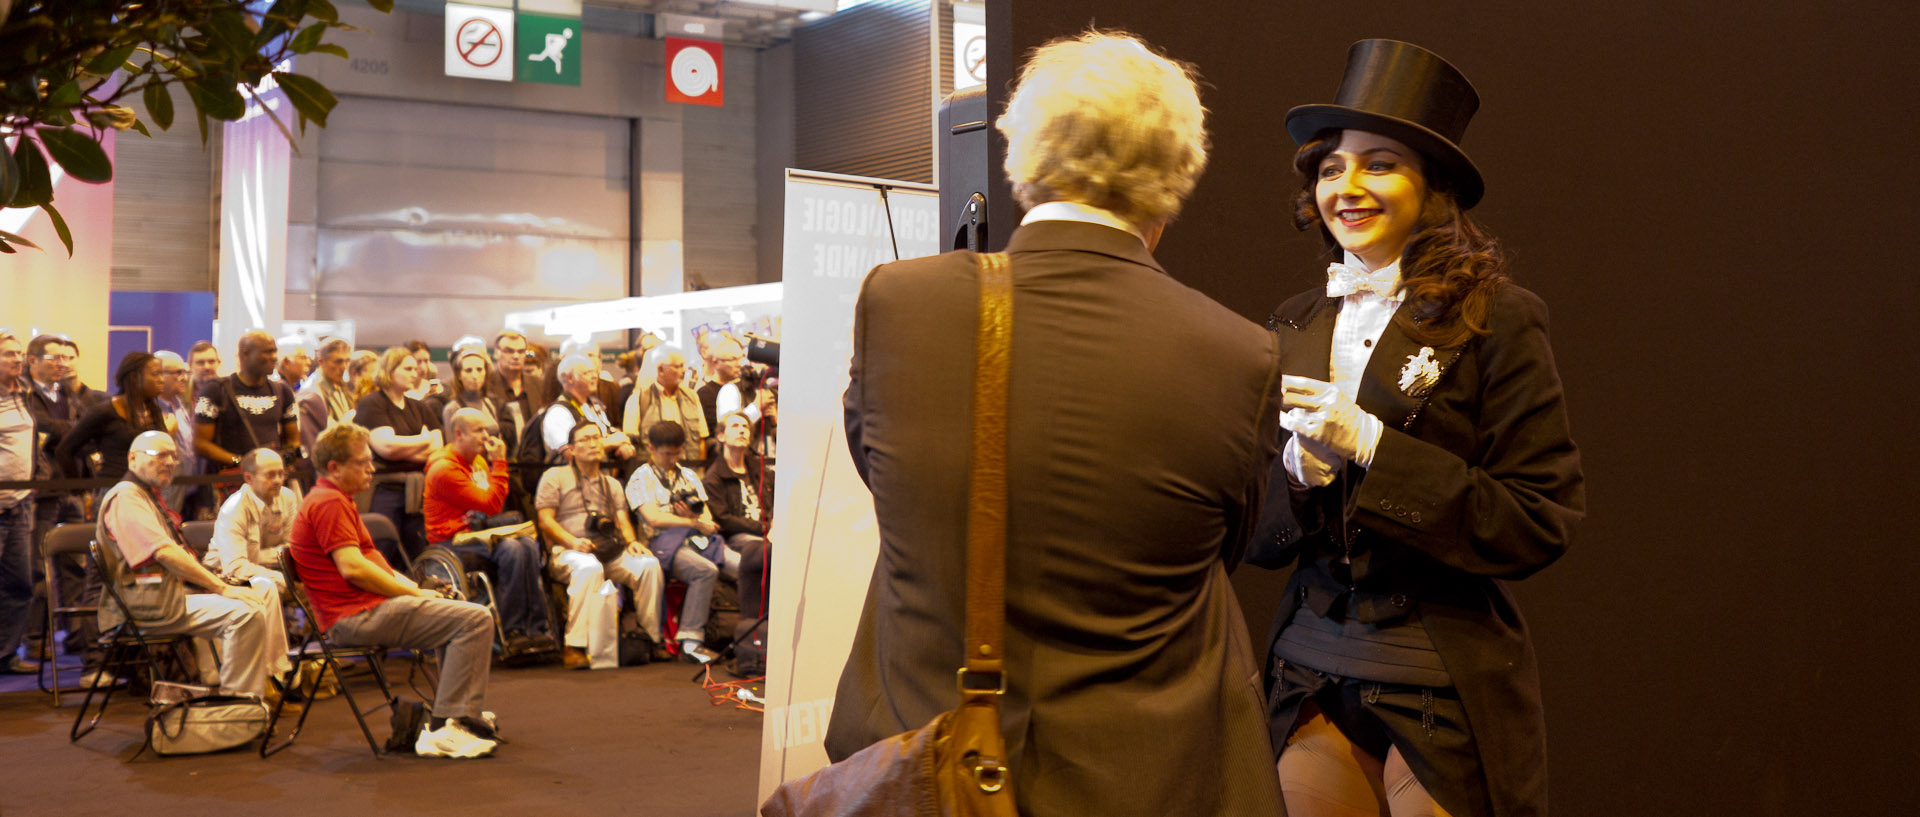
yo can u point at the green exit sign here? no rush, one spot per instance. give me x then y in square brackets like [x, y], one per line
[549, 49]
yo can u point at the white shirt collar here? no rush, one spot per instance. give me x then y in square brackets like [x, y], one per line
[50, 391]
[1354, 261]
[1075, 211]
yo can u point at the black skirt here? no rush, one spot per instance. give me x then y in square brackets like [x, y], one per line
[1427, 724]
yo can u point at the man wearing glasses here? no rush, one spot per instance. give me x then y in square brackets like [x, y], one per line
[58, 401]
[360, 599]
[144, 555]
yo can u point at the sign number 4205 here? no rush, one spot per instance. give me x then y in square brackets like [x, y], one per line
[366, 66]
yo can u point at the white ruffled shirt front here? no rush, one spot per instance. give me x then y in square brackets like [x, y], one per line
[1357, 329]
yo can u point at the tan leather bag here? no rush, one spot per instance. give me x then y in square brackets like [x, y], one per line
[956, 765]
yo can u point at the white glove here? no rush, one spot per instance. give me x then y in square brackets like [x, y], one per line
[1308, 465]
[1319, 412]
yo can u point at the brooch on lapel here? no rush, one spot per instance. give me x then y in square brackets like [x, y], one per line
[1421, 373]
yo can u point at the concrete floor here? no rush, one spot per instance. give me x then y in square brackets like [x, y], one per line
[641, 740]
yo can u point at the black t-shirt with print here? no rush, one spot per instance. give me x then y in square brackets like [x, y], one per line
[245, 417]
[376, 410]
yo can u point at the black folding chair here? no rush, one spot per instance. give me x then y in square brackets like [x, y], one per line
[329, 655]
[66, 542]
[129, 649]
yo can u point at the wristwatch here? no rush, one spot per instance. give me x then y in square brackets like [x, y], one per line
[235, 460]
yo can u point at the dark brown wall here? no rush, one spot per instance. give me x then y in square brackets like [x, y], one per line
[1717, 200]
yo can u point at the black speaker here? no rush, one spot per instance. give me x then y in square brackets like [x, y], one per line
[964, 168]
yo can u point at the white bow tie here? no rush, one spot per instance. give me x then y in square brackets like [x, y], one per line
[1343, 280]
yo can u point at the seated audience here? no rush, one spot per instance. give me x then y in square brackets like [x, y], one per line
[582, 511]
[405, 434]
[110, 427]
[17, 455]
[467, 480]
[361, 600]
[740, 488]
[579, 380]
[664, 400]
[673, 503]
[254, 524]
[144, 556]
[247, 409]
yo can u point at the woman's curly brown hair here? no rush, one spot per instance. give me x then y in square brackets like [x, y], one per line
[1452, 266]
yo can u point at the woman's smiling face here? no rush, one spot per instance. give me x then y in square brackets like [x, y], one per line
[1369, 190]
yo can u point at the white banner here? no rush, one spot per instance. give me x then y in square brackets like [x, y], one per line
[255, 175]
[823, 529]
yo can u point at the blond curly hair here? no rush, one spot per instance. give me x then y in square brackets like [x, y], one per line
[1102, 119]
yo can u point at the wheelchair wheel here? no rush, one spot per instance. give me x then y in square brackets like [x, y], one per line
[438, 567]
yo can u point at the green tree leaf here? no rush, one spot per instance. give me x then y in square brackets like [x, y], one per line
[79, 154]
[308, 39]
[323, 11]
[59, 226]
[110, 61]
[382, 6]
[217, 98]
[229, 30]
[159, 105]
[36, 182]
[308, 96]
[330, 48]
[65, 96]
[9, 238]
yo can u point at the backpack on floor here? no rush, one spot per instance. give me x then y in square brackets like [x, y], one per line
[750, 648]
[409, 720]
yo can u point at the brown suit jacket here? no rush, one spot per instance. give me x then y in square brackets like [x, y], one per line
[1140, 431]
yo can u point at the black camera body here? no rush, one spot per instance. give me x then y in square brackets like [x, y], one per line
[598, 525]
[691, 499]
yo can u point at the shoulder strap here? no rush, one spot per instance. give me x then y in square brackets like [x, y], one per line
[987, 479]
[233, 401]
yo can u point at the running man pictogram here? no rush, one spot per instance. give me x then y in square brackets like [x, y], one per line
[556, 48]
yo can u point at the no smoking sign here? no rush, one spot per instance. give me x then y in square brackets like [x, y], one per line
[479, 41]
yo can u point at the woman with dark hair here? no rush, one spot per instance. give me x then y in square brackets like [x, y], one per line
[111, 426]
[1426, 460]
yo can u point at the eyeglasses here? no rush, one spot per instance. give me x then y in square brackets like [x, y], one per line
[58, 358]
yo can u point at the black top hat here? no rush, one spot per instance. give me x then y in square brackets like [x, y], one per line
[1406, 92]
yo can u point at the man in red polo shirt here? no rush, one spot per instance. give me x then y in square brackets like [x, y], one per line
[361, 600]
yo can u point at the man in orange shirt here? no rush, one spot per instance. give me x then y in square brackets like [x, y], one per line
[467, 482]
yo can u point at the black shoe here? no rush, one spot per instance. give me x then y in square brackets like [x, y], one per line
[544, 643]
[518, 642]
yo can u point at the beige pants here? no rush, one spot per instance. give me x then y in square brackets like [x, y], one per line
[593, 600]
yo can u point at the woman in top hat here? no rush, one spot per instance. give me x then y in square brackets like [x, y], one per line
[1426, 461]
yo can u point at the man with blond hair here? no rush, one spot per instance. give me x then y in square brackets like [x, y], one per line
[1130, 680]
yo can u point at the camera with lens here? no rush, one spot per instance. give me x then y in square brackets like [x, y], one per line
[691, 499]
[598, 525]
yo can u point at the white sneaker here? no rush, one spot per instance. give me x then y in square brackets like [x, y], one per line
[452, 740]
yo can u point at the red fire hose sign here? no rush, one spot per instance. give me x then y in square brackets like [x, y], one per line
[477, 39]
